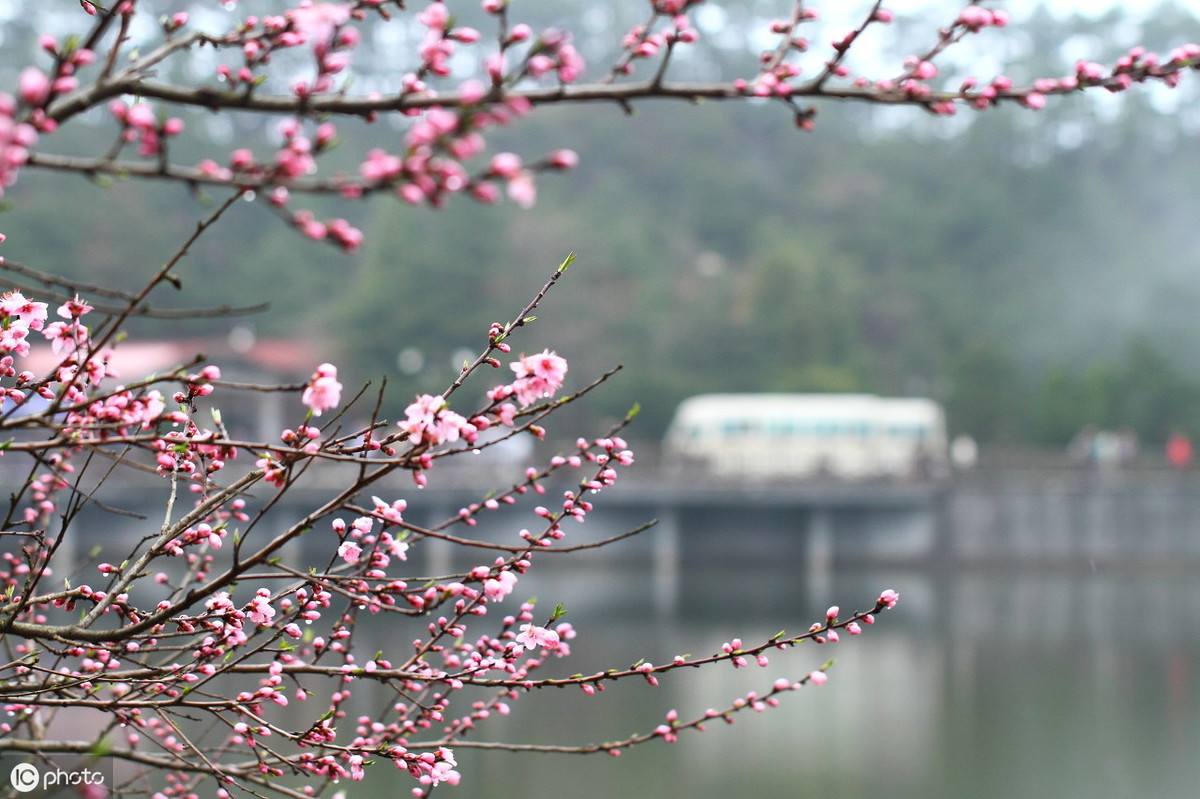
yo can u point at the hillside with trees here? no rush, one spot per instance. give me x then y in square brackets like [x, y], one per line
[1035, 275]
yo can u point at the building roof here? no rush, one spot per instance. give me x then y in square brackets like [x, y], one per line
[279, 359]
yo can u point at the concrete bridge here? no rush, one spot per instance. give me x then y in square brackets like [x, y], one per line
[1051, 516]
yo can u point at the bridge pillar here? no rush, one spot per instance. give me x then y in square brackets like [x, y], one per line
[666, 561]
[819, 554]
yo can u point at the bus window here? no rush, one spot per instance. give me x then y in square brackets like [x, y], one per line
[735, 427]
[781, 427]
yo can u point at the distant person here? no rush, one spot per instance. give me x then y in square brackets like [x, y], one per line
[1108, 449]
[1179, 451]
[1081, 449]
[1127, 446]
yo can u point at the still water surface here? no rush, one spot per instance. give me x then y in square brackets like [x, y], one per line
[1013, 683]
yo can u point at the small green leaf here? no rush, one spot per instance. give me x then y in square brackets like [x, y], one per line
[101, 748]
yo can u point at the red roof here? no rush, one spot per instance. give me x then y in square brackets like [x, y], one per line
[134, 360]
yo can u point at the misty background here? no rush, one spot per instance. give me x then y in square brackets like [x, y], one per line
[1034, 271]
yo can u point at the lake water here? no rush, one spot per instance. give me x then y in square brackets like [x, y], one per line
[1075, 675]
[1008, 683]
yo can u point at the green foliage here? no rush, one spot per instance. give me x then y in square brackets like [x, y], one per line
[985, 398]
[1005, 270]
[1143, 392]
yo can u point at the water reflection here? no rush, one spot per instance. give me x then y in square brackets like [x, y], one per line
[985, 682]
[979, 684]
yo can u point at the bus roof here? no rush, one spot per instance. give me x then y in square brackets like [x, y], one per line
[706, 407]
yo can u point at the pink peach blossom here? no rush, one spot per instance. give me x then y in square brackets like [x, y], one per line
[33, 86]
[323, 391]
[532, 636]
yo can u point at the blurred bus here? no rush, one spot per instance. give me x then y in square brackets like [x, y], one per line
[850, 437]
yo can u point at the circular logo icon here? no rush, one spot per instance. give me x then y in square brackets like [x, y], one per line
[24, 777]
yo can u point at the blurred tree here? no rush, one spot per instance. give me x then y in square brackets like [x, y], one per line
[986, 398]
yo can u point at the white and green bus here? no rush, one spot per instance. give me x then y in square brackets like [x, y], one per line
[804, 436]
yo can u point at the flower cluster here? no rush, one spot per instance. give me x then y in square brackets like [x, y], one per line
[430, 421]
[20, 317]
[441, 139]
[36, 89]
[140, 124]
[644, 42]
[82, 366]
[438, 46]
[324, 391]
[976, 18]
[16, 140]
[538, 377]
